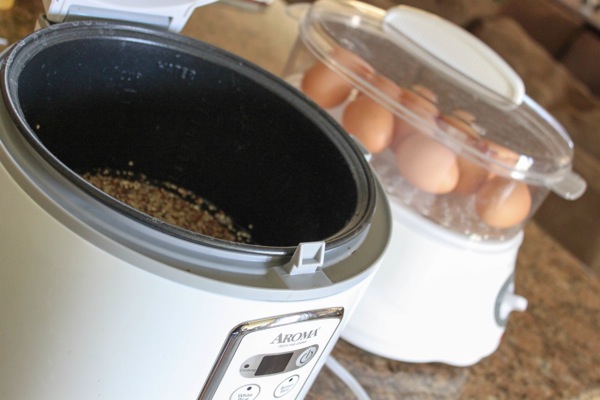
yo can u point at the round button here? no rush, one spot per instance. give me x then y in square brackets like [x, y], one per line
[247, 392]
[286, 386]
[306, 356]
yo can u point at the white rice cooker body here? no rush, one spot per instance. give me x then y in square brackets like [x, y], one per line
[87, 314]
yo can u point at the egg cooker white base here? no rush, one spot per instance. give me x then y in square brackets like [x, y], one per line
[437, 296]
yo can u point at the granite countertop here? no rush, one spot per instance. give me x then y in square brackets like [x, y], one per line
[551, 351]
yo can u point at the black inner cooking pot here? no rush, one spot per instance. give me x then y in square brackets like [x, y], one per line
[92, 95]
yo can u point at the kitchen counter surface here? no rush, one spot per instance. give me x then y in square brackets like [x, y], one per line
[551, 351]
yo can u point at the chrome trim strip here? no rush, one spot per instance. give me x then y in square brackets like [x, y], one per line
[244, 329]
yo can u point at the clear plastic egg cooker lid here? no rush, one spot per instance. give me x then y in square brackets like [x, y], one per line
[489, 118]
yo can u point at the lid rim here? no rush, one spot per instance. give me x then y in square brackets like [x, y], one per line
[35, 43]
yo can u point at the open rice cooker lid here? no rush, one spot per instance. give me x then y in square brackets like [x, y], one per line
[491, 121]
[160, 14]
[96, 96]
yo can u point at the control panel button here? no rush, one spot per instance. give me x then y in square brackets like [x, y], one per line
[259, 357]
[306, 356]
[247, 392]
[286, 386]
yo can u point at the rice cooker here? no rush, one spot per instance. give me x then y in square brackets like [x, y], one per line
[101, 300]
[464, 155]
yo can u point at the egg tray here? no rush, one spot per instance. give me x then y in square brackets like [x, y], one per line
[460, 195]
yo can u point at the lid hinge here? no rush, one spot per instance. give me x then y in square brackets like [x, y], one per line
[303, 271]
[306, 259]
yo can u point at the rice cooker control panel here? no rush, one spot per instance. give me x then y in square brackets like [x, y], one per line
[271, 358]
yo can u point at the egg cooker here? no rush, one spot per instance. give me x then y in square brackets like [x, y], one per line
[98, 300]
[446, 286]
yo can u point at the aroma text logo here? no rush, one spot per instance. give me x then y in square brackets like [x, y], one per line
[284, 338]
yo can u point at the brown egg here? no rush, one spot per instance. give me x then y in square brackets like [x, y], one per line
[427, 164]
[472, 175]
[464, 115]
[352, 62]
[451, 123]
[387, 87]
[502, 153]
[369, 122]
[327, 87]
[397, 136]
[422, 102]
[502, 202]
[426, 93]
[404, 128]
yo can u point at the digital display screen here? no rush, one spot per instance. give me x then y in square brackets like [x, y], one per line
[273, 364]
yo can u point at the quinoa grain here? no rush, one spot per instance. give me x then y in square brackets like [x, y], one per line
[169, 203]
